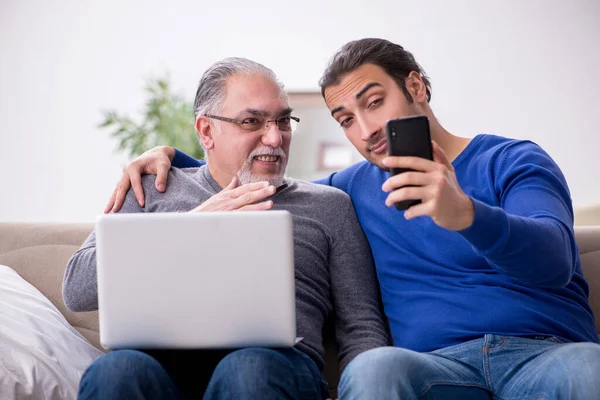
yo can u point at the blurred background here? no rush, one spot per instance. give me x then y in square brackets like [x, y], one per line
[522, 69]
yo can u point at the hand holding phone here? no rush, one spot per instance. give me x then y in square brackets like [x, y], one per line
[408, 137]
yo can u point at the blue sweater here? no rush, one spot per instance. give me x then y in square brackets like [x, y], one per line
[516, 271]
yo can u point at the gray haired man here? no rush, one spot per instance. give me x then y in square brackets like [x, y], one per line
[243, 121]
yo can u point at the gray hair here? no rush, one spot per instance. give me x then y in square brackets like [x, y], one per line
[211, 93]
[211, 89]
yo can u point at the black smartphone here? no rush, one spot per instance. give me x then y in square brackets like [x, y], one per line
[408, 137]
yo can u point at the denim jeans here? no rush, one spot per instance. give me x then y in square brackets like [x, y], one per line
[493, 367]
[254, 373]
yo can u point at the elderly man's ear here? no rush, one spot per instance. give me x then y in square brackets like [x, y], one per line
[205, 131]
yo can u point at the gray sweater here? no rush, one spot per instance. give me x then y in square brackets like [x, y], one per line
[333, 264]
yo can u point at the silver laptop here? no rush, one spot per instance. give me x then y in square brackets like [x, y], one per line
[196, 280]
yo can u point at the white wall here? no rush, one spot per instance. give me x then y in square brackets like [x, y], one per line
[525, 69]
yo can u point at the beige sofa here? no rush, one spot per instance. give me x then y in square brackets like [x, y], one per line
[587, 215]
[39, 253]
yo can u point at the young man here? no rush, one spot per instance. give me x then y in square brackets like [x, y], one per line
[481, 282]
[243, 121]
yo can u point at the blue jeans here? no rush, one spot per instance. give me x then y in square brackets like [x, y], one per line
[254, 373]
[507, 368]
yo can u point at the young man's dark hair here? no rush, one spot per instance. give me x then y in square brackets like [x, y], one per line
[394, 60]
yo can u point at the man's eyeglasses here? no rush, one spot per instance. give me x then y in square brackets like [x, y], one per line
[252, 124]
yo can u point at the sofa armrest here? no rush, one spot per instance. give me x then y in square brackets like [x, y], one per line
[588, 240]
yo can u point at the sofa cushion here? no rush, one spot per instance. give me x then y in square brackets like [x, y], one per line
[42, 356]
[39, 253]
[45, 265]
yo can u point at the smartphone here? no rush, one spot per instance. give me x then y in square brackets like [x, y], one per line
[408, 137]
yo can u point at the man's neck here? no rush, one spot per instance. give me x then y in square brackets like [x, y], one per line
[221, 179]
[451, 144]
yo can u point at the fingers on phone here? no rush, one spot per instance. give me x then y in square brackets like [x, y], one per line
[404, 193]
[409, 178]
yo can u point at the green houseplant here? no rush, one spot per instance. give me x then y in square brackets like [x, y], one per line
[167, 120]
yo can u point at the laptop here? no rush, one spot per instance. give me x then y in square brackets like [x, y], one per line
[196, 280]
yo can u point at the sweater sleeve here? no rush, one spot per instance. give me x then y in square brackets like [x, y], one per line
[80, 287]
[182, 160]
[359, 318]
[530, 235]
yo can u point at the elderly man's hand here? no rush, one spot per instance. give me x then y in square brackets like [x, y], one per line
[240, 198]
[156, 161]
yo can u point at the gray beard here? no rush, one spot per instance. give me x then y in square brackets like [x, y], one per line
[245, 176]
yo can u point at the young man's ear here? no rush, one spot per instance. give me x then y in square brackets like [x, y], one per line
[205, 131]
[416, 87]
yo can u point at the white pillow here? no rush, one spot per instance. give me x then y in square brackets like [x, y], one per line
[41, 355]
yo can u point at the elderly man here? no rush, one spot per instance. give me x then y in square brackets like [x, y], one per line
[243, 120]
[481, 281]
